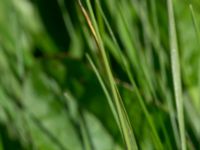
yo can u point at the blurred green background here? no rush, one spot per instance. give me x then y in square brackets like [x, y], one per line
[50, 97]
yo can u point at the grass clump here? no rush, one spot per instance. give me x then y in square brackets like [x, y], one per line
[99, 75]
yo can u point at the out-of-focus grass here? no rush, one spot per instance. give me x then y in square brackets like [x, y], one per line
[50, 97]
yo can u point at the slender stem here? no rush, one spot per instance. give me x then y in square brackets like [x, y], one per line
[176, 73]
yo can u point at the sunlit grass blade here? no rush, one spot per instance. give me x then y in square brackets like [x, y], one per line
[176, 73]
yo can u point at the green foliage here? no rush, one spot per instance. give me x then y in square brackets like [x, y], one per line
[99, 75]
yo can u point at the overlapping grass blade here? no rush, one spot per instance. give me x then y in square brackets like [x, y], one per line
[158, 143]
[127, 133]
[105, 90]
[125, 65]
[126, 68]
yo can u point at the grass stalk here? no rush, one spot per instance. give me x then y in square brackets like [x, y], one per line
[127, 133]
[176, 73]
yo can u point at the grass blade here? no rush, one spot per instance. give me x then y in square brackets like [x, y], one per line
[126, 67]
[105, 90]
[198, 38]
[176, 73]
[128, 136]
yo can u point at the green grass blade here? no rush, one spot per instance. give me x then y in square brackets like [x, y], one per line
[198, 38]
[158, 143]
[110, 102]
[176, 73]
[128, 136]
[105, 90]
[125, 66]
